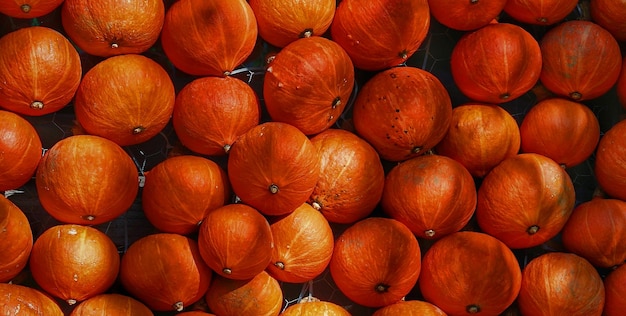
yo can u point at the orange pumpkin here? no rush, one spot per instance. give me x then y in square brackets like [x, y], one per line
[610, 15]
[28, 9]
[112, 304]
[86, 180]
[85, 262]
[581, 60]
[351, 177]
[558, 283]
[19, 299]
[308, 84]
[614, 287]
[369, 33]
[315, 308]
[470, 272]
[620, 86]
[110, 27]
[465, 15]
[40, 71]
[539, 12]
[229, 25]
[525, 200]
[402, 112]
[258, 296]
[127, 99]
[211, 112]
[20, 151]
[194, 313]
[376, 261]
[273, 167]
[610, 164]
[505, 63]
[16, 240]
[165, 271]
[410, 308]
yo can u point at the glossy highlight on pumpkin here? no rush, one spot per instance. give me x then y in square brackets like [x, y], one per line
[20, 151]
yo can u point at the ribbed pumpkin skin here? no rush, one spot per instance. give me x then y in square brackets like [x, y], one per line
[467, 269]
[111, 305]
[16, 240]
[232, 38]
[610, 165]
[19, 299]
[620, 86]
[28, 9]
[40, 71]
[410, 308]
[368, 31]
[581, 60]
[195, 313]
[539, 12]
[259, 296]
[315, 308]
[465, 15]
[20, 151]
[610, 15]
[559, 283]
[614, 287]
[505, 63]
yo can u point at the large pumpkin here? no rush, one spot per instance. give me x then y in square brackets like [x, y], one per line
[308, 84]
[470, 273]
[40, 71]
[465, 15]
[16, 240]
[410, 308]
[497, 63]
[539, 12]
[111, 304]
[376, 261]
[86, 180]
[610, 164]
[258, 296]
[369, 32]
[228, 25]
[22, 300]
[614, 289]
[20, 151]
[28, 9]
[610, 15]
[315, 307]
[402, 112]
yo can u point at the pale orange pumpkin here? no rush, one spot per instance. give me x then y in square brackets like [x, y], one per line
[111, 304]
[315, 307]
[258, 296]
[20, 151]
[16, 240]
[410, 308]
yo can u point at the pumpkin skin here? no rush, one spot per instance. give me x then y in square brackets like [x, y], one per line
[308, 84]
[18, 299]
[465, 15]
[351, 177]
[281, 22]
[211, 112]
[539, 12]
[109, 27]
[563, 130]
[86, 180]
[610, 165]
[33, 60]
[111, 305]
[165, 271]
[480, 136]
[620, 86]
[259, 296]
[20, 151]
[180, 191]
[127, 99]
[559, 283]
[195, 313]
[315, 308]
[581, 60]
[402, 112]
[610, 15]
[232, 39]
[410, 308]
[505, 63]
[85, 262]
[376, 261]
[432, 195]
[273, 167]
[369, 31]
[614, 286]
[16, 240]
[236, 241]
[470, 272]
[28, 9]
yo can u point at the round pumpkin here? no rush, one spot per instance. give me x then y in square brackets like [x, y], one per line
[563, 130]
[558, 283]
[281, 22]
[620, 86]
[16, 240]
[470, 273]
[85, 262]
[228, 25]
[40, 71]
[127, 99]
[195, 313]
[28, 9]
[610, 164]
[539, 12]
[315, 308]
[376, 261]
[180, 191]
[581, 60]
[273, 167]
[410, 308]
[258, 296]
[86, 180]
[22, 300]
[370, 32]
[111, 27]
[614, 287]
[165, 271]
[211, 112]
[111, 304]
[236, 241]
[308, 84]
[20, 151]
[402, 112]
[432, 195]
[505, 63]
[610, 15]
[351, 177]
[480, 137]
[465, 15]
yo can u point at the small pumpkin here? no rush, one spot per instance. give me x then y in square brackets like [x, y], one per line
[315, 307]
[614, 287]
[16, 240]
[111, 304]
[19, 299]
[410, 308]
[609, 14]
[465, 15]
[610, 164]
[28, 9]
[258, 296]
[194, 313]
[539, 12]
[620, 86]
[20, 151]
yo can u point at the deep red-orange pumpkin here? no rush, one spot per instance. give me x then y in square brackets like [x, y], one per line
[465, 15]
[496, 63]
[165, 271]
[308, 84]
[20, 151]
[539, 12]
[402, 112]
[111, 304]
[28, 9]
[470, 272]
[376, 261]
[610, 15]
[273, 167]
[614, 288]
[581, 60]
[559, 283]
[16, 240]
[315, 307]
[259, 296]
[610, 164]
[620, 86]
[229, 25]
[40, 71]
[369, 32]
[194, 313]
[26, 300]
[410, 308]
[351, 177]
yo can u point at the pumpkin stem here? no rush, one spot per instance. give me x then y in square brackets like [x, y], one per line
[114, 45]
[317, 205]
[25, 7]
[138, 130]
[226, 148]
[472, 309]
[381, 288]
[542, 20]
[576, 95]
[280, 265]
[71, 301]
[474, 1]
[306, 33]
[532, 230]
[227, 271]
[505, 96]
[429, 233]
[89, 217]
[226, 73]
[416, 150]
[336, 102]
[178, 306]
[404, 54]
[273, 188]
[37, 105]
